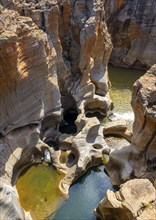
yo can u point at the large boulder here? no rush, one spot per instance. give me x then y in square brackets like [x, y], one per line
[136, 199]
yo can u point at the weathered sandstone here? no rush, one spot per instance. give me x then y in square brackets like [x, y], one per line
[117, 127]
[136, 199]
[28, 74]
[132, 27]
[138, 160]
[79, 34]
[54, 57]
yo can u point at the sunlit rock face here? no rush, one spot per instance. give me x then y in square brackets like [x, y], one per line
[79, 34]
[136, 199]
[53, 58]
[132, 27]
[144, 128]
[28, 73]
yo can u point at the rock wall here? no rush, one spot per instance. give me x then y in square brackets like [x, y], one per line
[53, 59]
[132, 27]
[137, 160]
[79, 34]
[28, 69]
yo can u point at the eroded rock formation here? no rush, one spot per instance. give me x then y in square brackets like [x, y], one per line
[132, 27]
[137, 160]
[136, 199]
[54, 57]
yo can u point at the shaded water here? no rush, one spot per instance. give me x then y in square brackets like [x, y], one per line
[84, 196]
[122, 81]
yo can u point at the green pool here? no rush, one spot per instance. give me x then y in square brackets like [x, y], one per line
[38, 190]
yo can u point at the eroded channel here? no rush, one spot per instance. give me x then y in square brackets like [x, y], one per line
[38, 185]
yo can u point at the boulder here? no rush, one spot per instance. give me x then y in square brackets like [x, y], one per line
[136, 200]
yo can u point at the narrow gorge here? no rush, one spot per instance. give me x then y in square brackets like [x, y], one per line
[56, 111]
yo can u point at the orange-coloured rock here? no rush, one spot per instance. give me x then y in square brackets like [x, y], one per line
[28, 74]
[79, 34]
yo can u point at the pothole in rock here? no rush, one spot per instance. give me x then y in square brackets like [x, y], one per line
[97, 146]
[52, 144]
[67, 157]
[42, 182]
[100, 117]
[70, 116]
[68, 126]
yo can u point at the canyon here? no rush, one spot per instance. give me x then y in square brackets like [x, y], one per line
[53, 74]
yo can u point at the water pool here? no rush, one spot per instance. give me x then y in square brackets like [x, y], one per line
[84, 196]
[38, 190]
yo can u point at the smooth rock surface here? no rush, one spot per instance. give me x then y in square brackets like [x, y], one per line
[136, 199]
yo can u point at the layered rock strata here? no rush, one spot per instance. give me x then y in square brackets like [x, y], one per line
[132, 27]
[79, 34]
[54, 58]
[137, 160]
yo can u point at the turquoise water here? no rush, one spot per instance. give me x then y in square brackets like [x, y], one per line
[84, 196]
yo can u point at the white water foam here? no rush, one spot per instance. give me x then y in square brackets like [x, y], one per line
[128, 116]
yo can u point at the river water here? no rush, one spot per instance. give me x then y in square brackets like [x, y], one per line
[38, 186]
[122, 81]
[84, 195]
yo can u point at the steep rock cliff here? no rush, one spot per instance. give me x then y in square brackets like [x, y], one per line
[54, 58]
[29, 92]
[28, 74]
[82, 43]
[132, 27]
[139, 159]
[135, 161]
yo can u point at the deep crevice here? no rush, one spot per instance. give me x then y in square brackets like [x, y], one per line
[68, 125]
